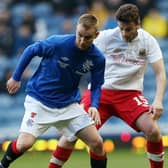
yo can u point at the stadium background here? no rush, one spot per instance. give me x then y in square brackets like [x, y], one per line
[25, 21]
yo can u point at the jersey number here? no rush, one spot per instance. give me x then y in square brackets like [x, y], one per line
[140, 100]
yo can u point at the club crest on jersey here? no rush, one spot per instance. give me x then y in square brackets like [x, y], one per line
[86, 67]
[33, 114]
[142, 52]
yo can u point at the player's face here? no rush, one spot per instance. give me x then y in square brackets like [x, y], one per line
[85, 37]
[128, 30]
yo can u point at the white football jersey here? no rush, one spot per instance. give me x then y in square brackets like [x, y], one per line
[126, 62]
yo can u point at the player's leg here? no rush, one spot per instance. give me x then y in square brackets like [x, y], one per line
[91, 137]
[105, 113]
[154, 144]
[62, 153]
[25, 140]
[95, 159]
[16, 149]
[29, 131]
[133, 108]
[65, 147]
[83, 127]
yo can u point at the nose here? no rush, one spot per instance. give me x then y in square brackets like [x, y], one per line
[125, 34]
[82, 39]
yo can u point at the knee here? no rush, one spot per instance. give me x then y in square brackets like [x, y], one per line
[153, 133]
[24, 144]
[97, 146]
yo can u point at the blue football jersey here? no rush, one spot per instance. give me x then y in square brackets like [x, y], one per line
[56, 80]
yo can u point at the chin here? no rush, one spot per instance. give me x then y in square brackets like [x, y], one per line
[83, 48]
[128, 40]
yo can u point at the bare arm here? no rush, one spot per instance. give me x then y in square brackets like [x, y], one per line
[159, 70]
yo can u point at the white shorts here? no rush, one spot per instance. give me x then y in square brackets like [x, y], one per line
[68, 120]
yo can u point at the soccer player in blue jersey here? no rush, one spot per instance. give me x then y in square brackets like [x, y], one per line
[52, 92]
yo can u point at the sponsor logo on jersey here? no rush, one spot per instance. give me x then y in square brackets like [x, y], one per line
[123, 59]
[62, 64]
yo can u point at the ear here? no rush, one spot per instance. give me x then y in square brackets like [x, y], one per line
[97, 33]
[138, 26]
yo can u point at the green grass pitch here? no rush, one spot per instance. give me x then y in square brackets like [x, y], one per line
[80, 159]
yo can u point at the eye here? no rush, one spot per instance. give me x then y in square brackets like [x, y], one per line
[128, 30]
[88, 37]
[79, 35]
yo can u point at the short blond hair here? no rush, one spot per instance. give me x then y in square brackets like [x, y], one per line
[88, 21]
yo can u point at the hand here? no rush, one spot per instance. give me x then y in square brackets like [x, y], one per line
[157, 109]
[94, 114]
[13, 86]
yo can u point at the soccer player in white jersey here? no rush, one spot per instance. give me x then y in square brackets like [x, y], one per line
[128, 50]
[53, 95]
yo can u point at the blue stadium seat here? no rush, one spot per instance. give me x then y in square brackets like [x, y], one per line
[162, 5]
[17, 12]
[7, 101]
[42, 10]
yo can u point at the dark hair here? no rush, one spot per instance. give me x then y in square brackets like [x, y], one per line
[88, 21]
[128, 13]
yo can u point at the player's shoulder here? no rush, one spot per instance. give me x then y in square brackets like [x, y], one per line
[95, 49]
[97, 53]
[60, 38]
[109, 35]
[144, 34]
[146, 37]
[108, 32]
